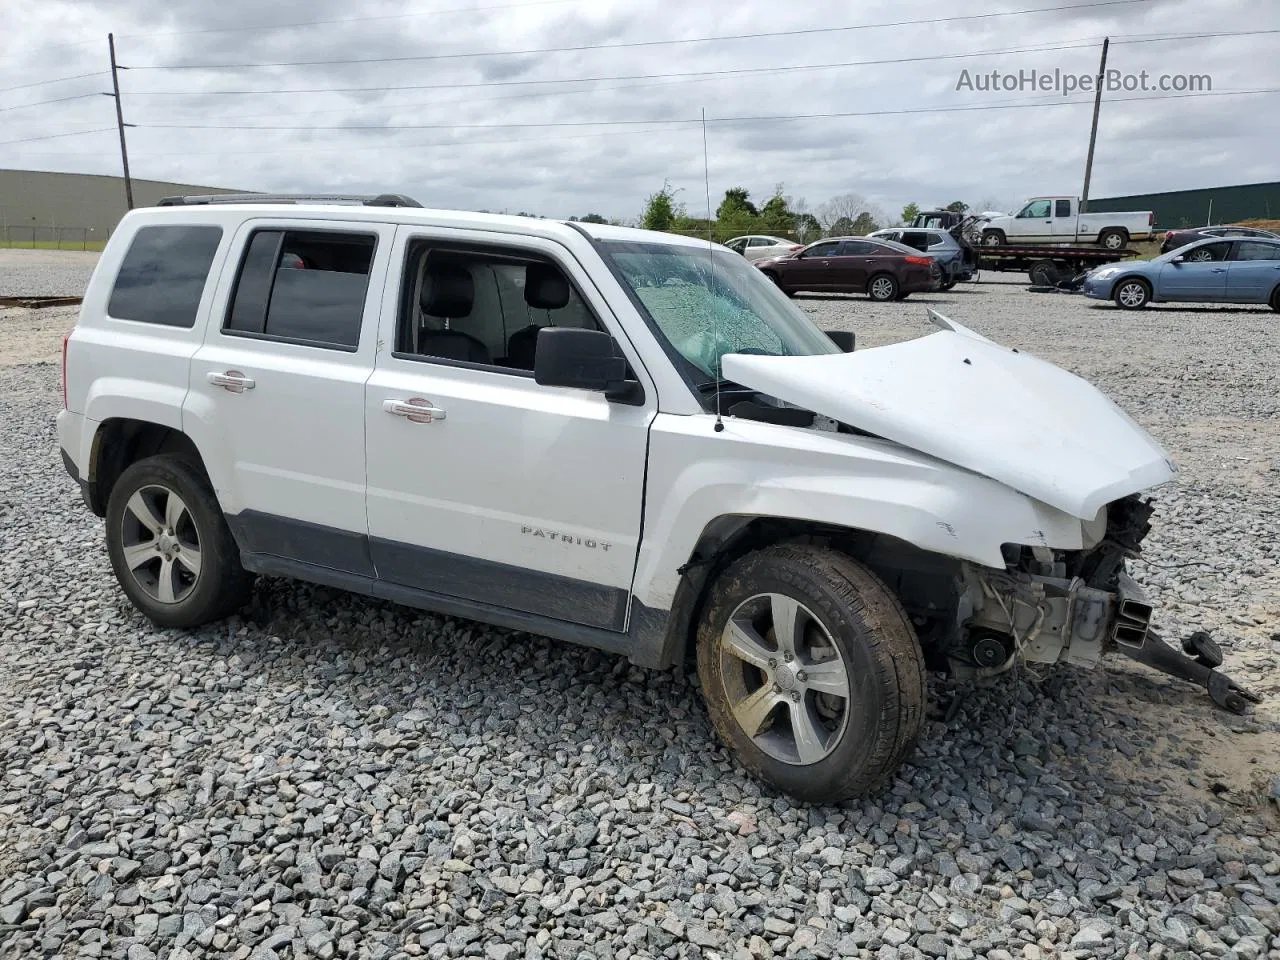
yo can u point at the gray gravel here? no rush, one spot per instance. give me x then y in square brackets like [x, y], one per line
[45, 273]
[338, 777]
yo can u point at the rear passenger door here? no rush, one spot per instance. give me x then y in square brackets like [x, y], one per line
[276, 391]
[1253, 271]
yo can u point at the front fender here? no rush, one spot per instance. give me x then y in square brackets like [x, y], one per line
[752, 469]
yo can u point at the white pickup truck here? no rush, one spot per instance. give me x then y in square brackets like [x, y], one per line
[1059, 220]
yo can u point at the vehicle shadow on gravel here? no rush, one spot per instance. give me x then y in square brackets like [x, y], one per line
[1206, 308]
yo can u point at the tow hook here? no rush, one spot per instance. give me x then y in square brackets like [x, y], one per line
[1158, 654]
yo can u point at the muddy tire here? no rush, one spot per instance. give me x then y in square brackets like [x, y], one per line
[811, 671]
[170, 547]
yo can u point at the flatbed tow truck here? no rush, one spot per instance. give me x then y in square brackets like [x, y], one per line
[1048, 265]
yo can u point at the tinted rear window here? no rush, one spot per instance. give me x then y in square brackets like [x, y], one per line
[303, 286]
[163, 275]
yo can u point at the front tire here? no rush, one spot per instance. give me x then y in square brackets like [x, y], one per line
[811, 671]
[170, 547]
[993, 238]
[1132, 294]
[882, 288]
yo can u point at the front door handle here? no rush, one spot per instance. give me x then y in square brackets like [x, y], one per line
[415, 410]
[233, 381]
[1218, 270]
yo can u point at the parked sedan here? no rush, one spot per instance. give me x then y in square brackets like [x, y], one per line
[1205, 271]
[956, 259]
[881, 269]
[1180, 238]
[762, 246]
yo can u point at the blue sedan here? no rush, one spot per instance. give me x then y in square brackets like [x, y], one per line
[1241, 270]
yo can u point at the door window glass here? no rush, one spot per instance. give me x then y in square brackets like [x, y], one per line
[1252, 250]
[303, 286]
[827, 249]
[483, 307]
[1062, 208]
[1038, 209]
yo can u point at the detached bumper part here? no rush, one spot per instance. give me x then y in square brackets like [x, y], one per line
[1144, 645]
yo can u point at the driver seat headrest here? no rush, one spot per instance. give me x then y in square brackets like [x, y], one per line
[448, 291]
[545, 287]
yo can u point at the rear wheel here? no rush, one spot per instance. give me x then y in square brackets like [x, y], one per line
[170, 547]
[1275, 299]
[949, 283]
[882, 287]
[811, 671]
[1113, 239]
[1132, 294]
[1043, 273]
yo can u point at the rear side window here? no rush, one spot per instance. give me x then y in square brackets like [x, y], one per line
[1062, 208]
[163, 274]
[303, 286]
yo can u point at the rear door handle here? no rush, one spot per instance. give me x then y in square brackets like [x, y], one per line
[415, 410]
[233, 381]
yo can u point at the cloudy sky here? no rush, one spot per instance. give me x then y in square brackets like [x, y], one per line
[564, 107]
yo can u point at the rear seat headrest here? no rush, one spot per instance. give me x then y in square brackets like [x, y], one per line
[545, 287]
[447, 291]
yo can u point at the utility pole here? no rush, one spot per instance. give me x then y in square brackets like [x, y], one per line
[120, 124]
[1093, 133]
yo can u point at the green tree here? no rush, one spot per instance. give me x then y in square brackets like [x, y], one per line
[807, 227]
[736, 203]
[957, 206]
[910, 212]
[591, 218]
[864, 223]
[661, 210]
[776, 216]
[842, 227]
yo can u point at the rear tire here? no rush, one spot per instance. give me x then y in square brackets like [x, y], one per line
[1132, 293]
[1113, 239]
[1043, 273]
[1275, 299]
[828, 707]
[882, 288]
[170, 547]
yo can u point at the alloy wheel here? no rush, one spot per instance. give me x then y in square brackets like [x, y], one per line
[160, 543]
[1132, 294]
[787, 684]
[882, 288]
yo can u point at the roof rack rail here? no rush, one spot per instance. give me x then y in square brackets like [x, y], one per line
[368, 200]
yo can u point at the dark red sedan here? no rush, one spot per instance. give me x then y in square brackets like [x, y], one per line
[882, 269]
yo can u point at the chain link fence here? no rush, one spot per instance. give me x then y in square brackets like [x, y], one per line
[36, 236]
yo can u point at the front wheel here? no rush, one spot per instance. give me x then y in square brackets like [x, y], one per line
[1132, 294]
[811, 671]
[992, 238]
[170, 547]
[882, 288]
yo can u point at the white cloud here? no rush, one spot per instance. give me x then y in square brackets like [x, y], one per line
[505, 163]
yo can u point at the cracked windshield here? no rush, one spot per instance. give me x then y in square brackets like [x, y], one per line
[708, 308]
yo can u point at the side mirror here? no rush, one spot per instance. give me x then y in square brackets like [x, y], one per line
[584, 359]
[841, 338]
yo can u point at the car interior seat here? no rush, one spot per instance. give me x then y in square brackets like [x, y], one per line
[545, 288]
[448, 292]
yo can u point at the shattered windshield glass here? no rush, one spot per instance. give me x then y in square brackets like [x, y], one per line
[709, 304]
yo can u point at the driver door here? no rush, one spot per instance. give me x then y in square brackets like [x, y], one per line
[1033, 221]
[1197, 274]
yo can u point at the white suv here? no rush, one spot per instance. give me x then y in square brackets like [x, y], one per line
[625, 439]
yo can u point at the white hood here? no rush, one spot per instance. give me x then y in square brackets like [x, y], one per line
[958, 396]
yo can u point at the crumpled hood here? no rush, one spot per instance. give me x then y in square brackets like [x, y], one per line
[958, 396]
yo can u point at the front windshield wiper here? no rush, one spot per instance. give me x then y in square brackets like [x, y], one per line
[710, 386]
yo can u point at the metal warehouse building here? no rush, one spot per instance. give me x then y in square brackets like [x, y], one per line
[1196, 208]
[73, 209]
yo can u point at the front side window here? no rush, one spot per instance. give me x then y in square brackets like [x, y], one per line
[1036, 209]
[1252, 250]
[163, 274]
[484, 306]
[827, 249]
[706, 304]
[303, 286]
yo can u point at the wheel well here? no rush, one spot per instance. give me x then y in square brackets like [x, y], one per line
[1134, 276]
[121, 442]
[920, 579]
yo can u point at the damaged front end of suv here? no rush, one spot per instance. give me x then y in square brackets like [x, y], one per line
[1059, 606]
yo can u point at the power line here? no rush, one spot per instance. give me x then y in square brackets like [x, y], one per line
[41, 103]
[55, 136]
[769, 118]
[42, 83]
[258, 28]
[807, 31]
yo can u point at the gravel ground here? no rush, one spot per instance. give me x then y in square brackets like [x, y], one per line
[45, 273]
[335, 776]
